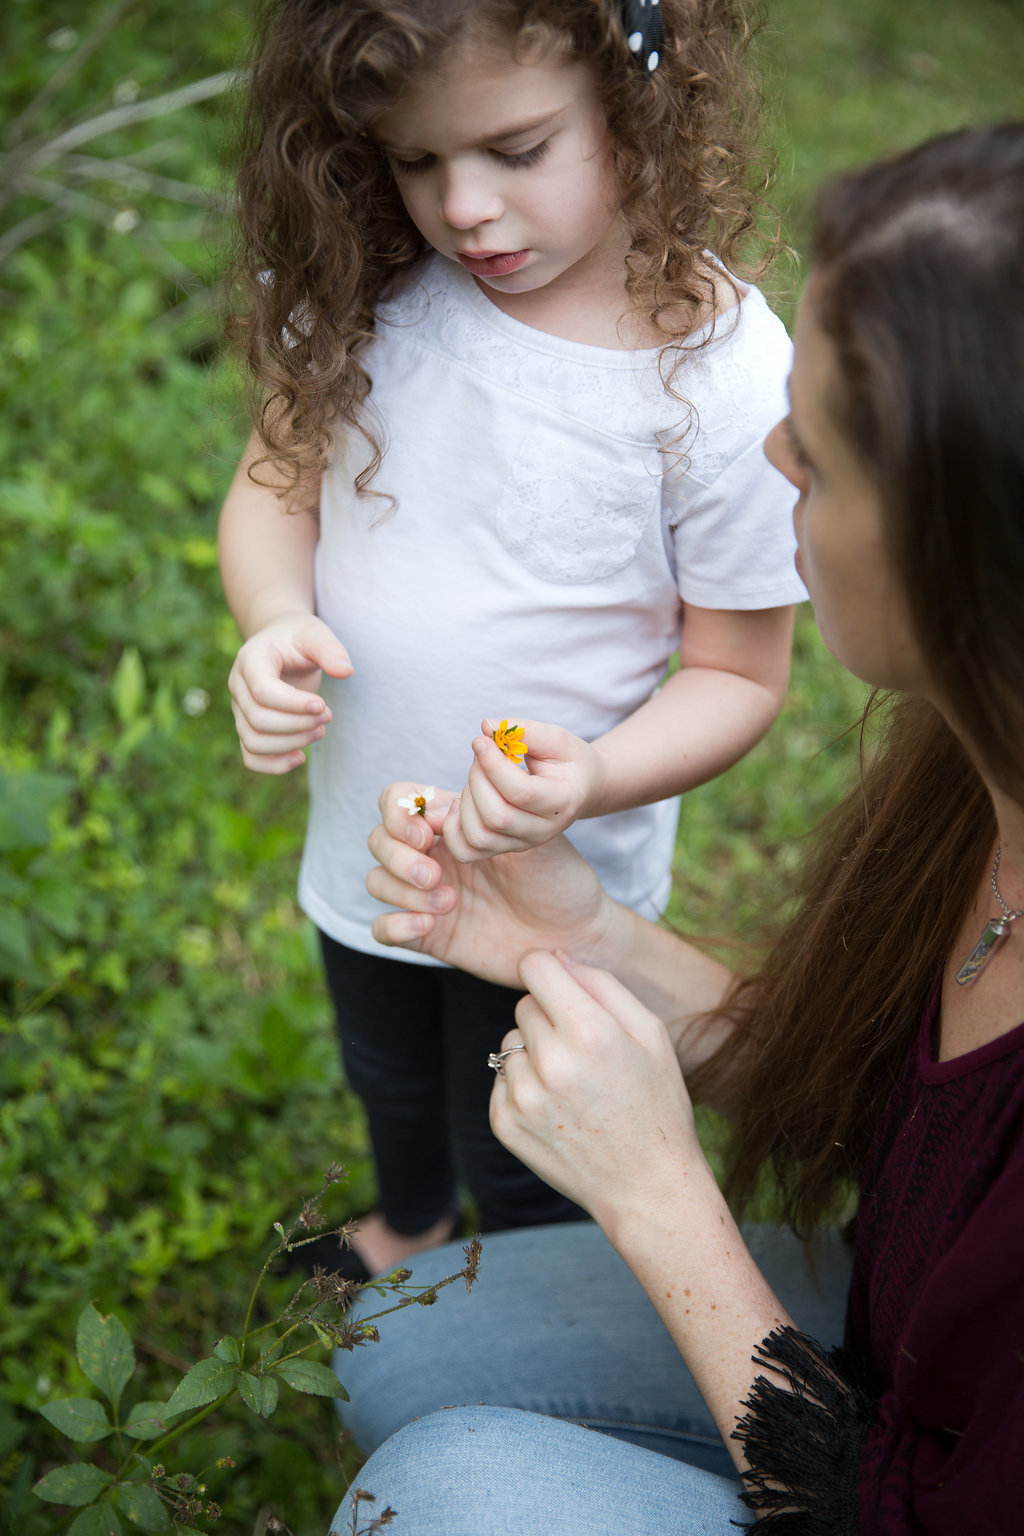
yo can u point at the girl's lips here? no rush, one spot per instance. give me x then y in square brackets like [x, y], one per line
[494, 264]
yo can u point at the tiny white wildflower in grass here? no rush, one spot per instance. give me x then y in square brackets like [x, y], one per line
[125, 92]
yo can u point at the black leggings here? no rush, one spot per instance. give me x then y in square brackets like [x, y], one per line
[414, 1041]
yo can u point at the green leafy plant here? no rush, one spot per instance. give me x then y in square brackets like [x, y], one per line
[169, 1080]
[253, 1365]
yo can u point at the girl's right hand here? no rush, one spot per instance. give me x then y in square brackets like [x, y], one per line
[483, 917]
[273, 686]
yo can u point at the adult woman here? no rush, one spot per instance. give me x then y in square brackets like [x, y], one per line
[883, 1040]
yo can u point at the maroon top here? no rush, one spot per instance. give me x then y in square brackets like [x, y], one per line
[924, 1411]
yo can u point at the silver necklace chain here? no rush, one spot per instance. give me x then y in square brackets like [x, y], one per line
[1010, 916]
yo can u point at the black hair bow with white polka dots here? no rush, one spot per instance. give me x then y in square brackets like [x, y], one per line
[645, 31]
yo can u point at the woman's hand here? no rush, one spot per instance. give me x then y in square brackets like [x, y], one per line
[596, 1104]
[483, 916]
[504, 809]
[273, 686]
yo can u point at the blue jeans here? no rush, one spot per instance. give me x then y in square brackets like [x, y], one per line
[556, 1340]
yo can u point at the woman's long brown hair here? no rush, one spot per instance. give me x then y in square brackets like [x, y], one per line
[323, 234]
[918, 286]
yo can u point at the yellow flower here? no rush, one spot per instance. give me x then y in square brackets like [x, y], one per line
[416, 805]
[509, 738]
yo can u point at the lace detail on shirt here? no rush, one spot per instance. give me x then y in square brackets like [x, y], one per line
[574, 518]
[622, 394]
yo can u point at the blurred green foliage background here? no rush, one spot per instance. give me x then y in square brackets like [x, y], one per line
[168, 1074]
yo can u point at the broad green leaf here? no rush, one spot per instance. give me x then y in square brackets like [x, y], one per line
[16, 958]
[227, 1349]
[26, 800]
[128, 685]
[146, 1421]
[98, 1520]
[259, 1393]
[80, 1418]
[104, 1352]
[207, 1380]
[311, 1376]
[142, 1506]
[79, 1483]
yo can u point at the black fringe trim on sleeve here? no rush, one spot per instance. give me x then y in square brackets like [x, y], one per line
[802, 1439]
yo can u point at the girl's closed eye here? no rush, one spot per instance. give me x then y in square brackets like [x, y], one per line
[520, 160]
[523, 157]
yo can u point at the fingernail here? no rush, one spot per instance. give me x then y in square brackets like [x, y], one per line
[416, 835]
[421, 874]
[317, 734]
[419, 924]
[439, 900]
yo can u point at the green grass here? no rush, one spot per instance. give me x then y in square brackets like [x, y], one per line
[169, 1083]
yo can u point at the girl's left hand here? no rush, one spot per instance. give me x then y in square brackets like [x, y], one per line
[596, 1104]
[504, 810]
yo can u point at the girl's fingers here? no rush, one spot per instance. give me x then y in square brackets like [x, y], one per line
[268, 692]
[258, 744]
[489, 824]
[509, 780]
[283, 763]
[454, 837]
[273, 722]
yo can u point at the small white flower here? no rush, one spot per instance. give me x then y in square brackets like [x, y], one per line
[125, 220]
[63, 39]
[125, 92]
[416, 805]
[196, 702]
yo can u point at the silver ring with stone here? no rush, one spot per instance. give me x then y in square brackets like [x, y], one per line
[497, 1059]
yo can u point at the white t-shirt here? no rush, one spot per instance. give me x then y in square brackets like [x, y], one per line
[535, 562]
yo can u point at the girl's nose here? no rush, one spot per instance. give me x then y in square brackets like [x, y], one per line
[468, 197]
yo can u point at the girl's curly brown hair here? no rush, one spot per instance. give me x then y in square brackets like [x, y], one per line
[322, 231]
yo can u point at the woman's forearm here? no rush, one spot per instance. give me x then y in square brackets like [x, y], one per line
[676, 981]
[687, 1252]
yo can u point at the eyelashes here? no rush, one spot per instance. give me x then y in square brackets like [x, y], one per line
[796, 448]
[526, 157]
[518, 162]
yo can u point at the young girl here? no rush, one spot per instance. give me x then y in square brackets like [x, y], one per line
[508, 450]
[882, 1044]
